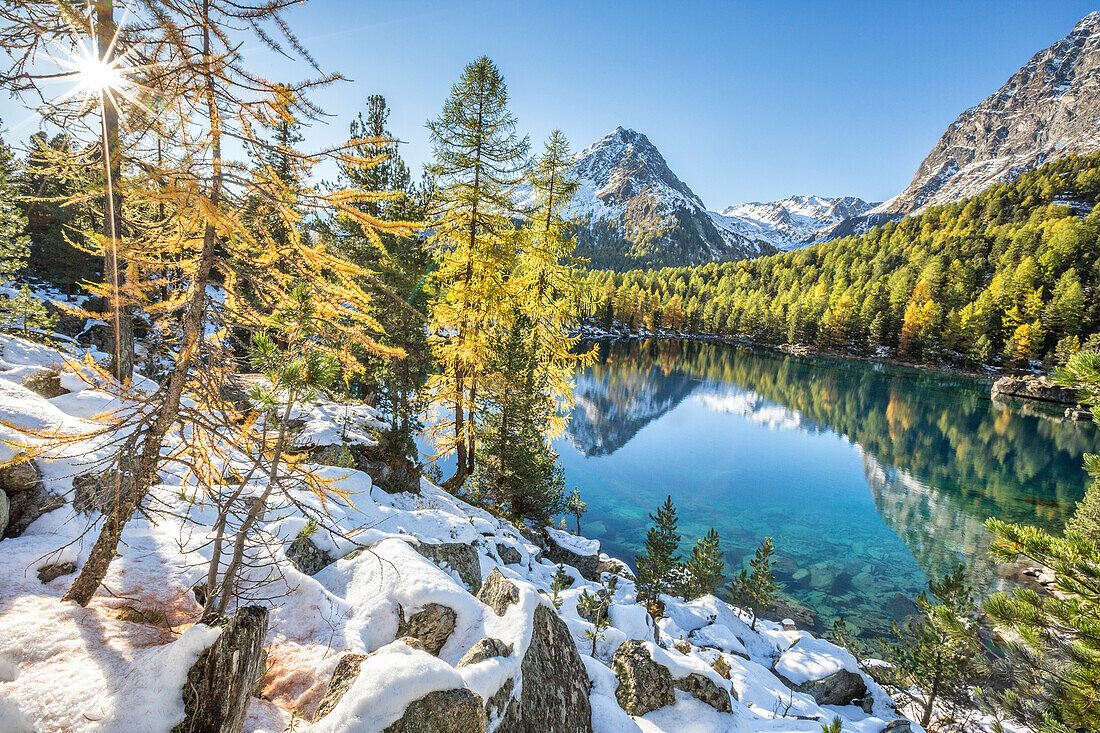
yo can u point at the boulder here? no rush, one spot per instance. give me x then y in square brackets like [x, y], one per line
[333, 455]
[391, 473]
[1034, 389]
[5, 507]
[307, 557]
[19, 477]
[562, 547]
[46, 384]
[46, 573]
[1078, 413]
[704, 689]
[498, 593]
[27, 506]
[840, 688]
[614, 566]
[644, 685]
[597, 608]
[347, 669]
[458, 556]
[898, 726]
[554, 685]
[444, 711]
[431, 626]
[487, 648]
[220, 683]
[508, 554]
[96, 491]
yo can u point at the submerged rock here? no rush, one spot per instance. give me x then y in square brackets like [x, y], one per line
[644, 685]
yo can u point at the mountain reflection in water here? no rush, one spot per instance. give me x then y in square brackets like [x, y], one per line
[869, 477]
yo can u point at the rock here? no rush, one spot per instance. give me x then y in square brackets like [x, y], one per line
[601, 602]
[19, 477]
[487, 648]
[508, 554]
[96, 491]
[333, 455]
[219, 684]
[705, 690]
[46, 383]
[901, 606]
[307, 557]
[644, 685]
[1078, 413]
[614, 566]
[562, 547]
[554, 691]
[46, 573]
[840, 688]
[1034, 389]
[27, 506]
[457, 556]
[498, 593]
[445, 711]
[68, 323]
[432, 626]
[391, 473]
[347, 669]
[4, 512]
[898, 726]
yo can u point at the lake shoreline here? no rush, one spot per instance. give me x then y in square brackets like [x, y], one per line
[989, 373]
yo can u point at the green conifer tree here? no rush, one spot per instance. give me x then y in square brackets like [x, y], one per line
[657, 566]
[704, 567]
[754, 590]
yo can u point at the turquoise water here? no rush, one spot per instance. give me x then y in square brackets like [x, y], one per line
[870, 478]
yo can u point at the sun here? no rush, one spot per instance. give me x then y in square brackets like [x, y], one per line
[95, 75]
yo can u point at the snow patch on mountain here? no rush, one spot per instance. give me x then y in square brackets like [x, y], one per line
[792, 222]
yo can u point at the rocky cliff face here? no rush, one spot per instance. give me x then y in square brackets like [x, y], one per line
[633, 211]
[796, 221]
[1048, 109]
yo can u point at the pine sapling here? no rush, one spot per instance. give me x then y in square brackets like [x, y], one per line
[754, 590]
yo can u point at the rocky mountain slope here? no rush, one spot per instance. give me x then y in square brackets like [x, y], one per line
[1048, 109]
[796, 221]
[400, 612]
[632, 211]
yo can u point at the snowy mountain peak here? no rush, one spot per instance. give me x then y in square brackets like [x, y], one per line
[633, 211]
[792, 222]
[1048, 109]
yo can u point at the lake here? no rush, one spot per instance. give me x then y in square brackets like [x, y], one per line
[869, 477]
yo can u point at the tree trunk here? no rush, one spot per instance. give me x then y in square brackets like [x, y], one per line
[145, 467]
[220, 683]
[122, 326]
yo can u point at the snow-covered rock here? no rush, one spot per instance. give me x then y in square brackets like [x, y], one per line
[65, 668]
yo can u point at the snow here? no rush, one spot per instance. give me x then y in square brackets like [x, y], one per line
[64, 668]
[574, 543]
[388, 681]
[814, 659]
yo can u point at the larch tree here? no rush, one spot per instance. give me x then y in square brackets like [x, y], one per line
[479, 160]
[194, 237]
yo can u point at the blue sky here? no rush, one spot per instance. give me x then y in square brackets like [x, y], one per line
[747, 101]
